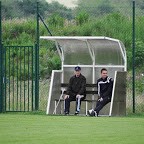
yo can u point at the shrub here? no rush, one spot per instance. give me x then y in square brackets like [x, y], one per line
[56, 20]
[82, 18]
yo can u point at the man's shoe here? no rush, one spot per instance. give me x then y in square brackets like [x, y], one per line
[95, 114]
[66, 113]
[92, 113]
[76, 113]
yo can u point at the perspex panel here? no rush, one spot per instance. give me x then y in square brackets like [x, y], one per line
[76, 52]
[56, 92]
[107, 52]
[119, 101]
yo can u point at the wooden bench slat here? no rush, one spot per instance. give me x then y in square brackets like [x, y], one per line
[91, 92]
[87, 92]
[87, 85]
[82, 100]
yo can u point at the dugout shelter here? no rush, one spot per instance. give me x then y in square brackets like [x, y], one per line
[91, 54]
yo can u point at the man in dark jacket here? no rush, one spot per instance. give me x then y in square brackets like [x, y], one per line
[104, 86]
[76, 91]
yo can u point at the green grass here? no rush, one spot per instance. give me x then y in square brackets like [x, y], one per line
[42, 129]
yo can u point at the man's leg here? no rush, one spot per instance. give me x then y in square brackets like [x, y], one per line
[79, 98]
[66, 104]
[101, 104]
[98, 104]
[68, 99]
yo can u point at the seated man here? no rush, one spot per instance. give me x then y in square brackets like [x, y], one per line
[104, 86]
[76, 91]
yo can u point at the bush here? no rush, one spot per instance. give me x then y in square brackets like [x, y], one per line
[139, 55]
[56, 20]
[82, 18]
[115, 25]
[48, 62]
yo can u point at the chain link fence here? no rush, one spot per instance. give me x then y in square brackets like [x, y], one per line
[19, 28]
[115, 22]
[18, 39]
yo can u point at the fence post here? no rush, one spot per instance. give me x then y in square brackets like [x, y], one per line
[1, 65]
[36, 78]
[37, 62]
[133, 58]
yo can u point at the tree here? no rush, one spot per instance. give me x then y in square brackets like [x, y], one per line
[26, 8]
[63, 11]
[98, 7]
[140, 4]
[10, 9]
[95, 7]
[105, 7]
[29, 6]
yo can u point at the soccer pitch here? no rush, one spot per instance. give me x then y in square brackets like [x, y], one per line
[42, 129]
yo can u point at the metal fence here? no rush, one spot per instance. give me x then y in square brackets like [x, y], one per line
[122, 22]
[19, 78]
[116, 22]
[19, 63]
[90, 21]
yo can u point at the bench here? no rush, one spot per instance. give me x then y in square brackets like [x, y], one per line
[92, 92]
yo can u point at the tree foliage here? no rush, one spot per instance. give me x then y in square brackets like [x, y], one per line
[56, 20]
[26, 8]
[100, 7]
[109, 21]
[95, 7]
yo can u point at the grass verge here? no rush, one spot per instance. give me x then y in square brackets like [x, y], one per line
[18, 128]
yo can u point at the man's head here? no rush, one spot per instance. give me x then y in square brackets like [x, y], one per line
[77, 71]
[104, 73]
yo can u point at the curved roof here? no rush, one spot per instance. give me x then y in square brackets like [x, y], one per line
[90, 50]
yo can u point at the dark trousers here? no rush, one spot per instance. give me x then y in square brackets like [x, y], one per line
[101, 104]
[72, 98]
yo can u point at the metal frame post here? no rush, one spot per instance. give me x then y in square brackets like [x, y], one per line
[1, 64]
[36, 78]
[133, 58]
[39, 17]
[37, 62]
[1, 67]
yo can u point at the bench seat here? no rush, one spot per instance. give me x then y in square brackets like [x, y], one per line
[92, 92]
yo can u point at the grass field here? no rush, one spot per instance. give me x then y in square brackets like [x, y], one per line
[41, 129]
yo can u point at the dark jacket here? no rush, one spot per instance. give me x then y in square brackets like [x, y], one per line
[105, 87]
[77, 85]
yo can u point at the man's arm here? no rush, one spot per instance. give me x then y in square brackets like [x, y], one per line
[83, 87]
[98, 89]
[69, 89]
